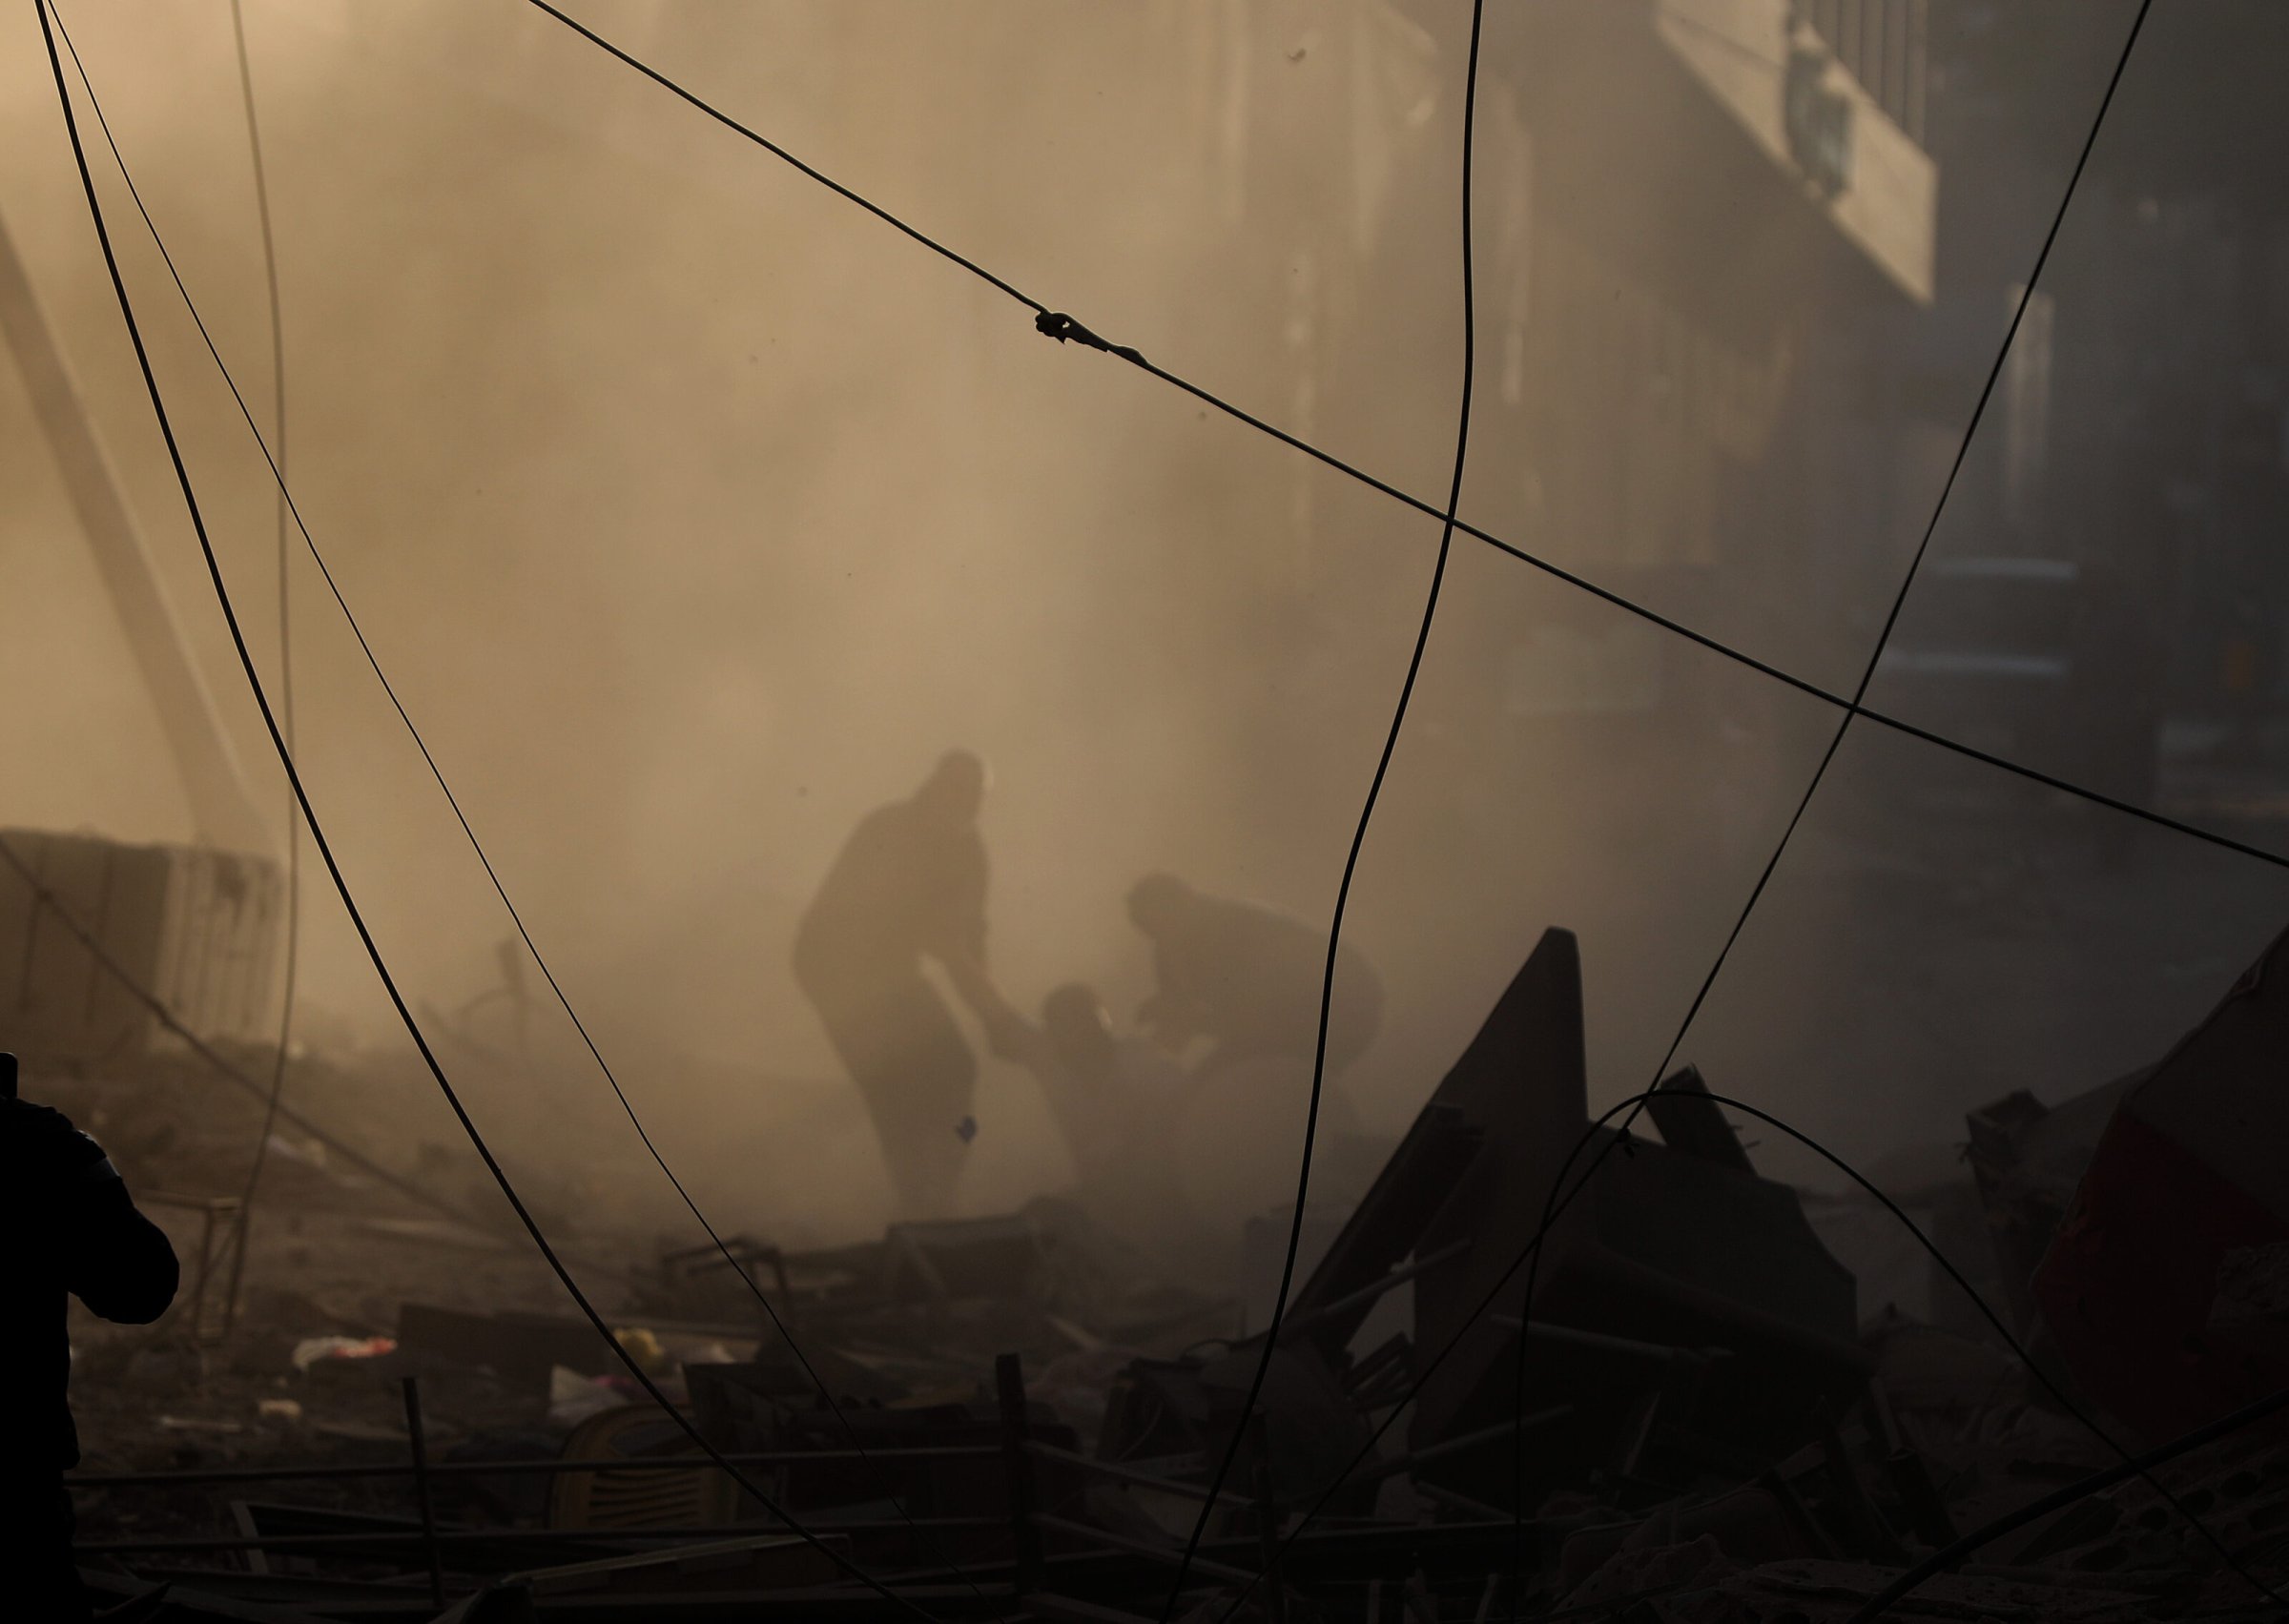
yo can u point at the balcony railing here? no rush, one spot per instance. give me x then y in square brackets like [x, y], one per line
[1883, 44]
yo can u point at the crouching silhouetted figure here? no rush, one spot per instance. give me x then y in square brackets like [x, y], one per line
[70, 1230]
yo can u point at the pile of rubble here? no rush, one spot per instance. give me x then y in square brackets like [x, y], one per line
[1664, 1402]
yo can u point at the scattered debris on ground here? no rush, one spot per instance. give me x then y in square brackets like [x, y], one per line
[1701, 1416]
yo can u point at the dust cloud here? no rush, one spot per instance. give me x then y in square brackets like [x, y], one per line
[694, 513]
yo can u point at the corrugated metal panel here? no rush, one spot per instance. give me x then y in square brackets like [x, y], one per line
[59, 981]
[133, 924]
[197, 928]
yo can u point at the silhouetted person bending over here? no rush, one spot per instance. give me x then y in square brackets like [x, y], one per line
[1249, 978]
[72, 1231]
[909, 886]
[1114, 1099]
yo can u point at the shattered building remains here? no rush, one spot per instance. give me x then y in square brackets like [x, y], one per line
[1511, 1341]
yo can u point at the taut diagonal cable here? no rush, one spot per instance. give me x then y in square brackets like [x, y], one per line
[1059, 325]
[1056, 324]
[499, 889]
[325, 850]
[2133, 1465]
[1064, 327]
[1367, 813]
[294, 832]
[1556, 1203]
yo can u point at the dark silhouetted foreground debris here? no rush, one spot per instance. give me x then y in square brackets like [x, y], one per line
[1720, 1424]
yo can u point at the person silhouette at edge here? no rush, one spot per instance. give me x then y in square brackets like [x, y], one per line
[72, 1231]
[909, 886]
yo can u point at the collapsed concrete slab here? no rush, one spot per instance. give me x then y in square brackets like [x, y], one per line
[1680, 1301]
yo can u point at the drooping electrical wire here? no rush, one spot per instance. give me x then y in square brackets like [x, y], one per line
[1051, 322]
[1590, 1135]
[294, 828]
[1554, 1204]
[286, 501]
[317, 835]
[1056, 324]
[1558, 1199]
[1367, 813]
[1853, 707]
[220, 1063]
[1061, 326]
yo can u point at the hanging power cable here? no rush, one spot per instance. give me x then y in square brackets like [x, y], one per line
[1367, 812]
[294, 828]
[1063, 328]
[317, 835]
[1560, 1199]
[220, 1063]
[286, 501]
[1056, 324]
[2138, 1467]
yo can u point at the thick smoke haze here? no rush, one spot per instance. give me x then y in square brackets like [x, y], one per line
[692, 513]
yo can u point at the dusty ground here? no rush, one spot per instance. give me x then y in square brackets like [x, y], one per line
[330, 1252]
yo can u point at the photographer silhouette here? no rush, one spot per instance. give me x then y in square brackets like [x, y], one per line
[70, 1230]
